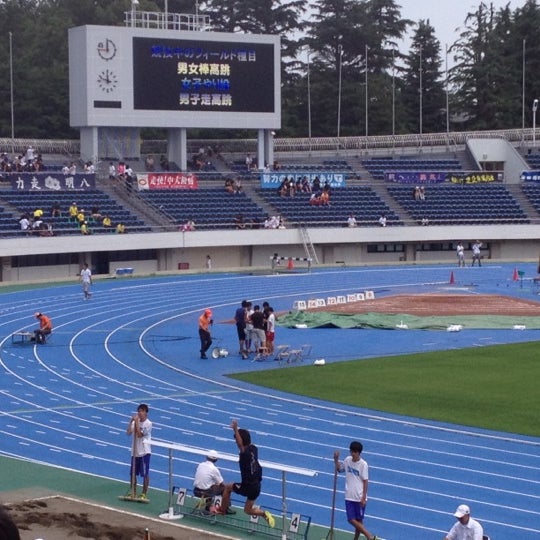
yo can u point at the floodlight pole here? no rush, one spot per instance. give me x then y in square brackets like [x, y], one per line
[534, 109]
[11, 92]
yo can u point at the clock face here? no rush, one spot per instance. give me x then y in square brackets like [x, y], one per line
[106, 49]
[107, 80]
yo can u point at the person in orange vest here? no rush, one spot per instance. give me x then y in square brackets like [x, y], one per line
[205, 321]
[45, 328]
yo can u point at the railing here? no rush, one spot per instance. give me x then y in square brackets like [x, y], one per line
[341, 145]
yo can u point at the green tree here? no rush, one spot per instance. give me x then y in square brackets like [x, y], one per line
[423, 90]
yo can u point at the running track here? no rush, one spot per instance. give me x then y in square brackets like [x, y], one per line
[67, 403]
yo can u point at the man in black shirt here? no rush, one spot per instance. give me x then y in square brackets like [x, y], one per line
[251, 477]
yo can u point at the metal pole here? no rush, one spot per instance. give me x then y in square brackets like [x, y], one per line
[11, 93]
[393, 94]
[340, 54]
[523, 96]
[309, 99]
[447, 100]
[420, 112]
[534, 108]
[284, 505]
[367, 94]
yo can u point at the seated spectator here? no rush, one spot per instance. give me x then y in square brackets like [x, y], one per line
[315, 199]
[95, 214]
[237, 184]
[24, 222]
[112, 171]
[46, 229]
[120, 228]
[425, 221]
[73, 211]
[84, 228]
[189, 225]
[382, 221]
[89, 168]
[422, 194]
[164, 163]
[229, 185]
[149, 163]
[255, 223]
[351, 221]
[208, 481]
[239, 222]
[36, 225]
[316, 186]
[272, 222]
[55, 210]
[107, 223]
[325, 197]
[72, 168]
[80, 217]
[38, 213]
[306, 187]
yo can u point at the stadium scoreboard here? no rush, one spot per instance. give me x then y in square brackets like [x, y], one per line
[138, 77]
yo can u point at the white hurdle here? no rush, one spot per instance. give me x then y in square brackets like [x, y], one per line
[230, 457]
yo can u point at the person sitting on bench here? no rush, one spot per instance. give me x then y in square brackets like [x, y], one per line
[45, 328]
[208, 481]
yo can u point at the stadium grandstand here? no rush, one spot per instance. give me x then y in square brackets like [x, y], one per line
[476, 186]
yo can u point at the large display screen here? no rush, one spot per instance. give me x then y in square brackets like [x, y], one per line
[188, 75]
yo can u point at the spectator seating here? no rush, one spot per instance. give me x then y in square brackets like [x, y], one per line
[361, 201]
[449, 204]
[532, 192]
[533, 160]
[209, 208]
[378, 166]
[27, 201]
[9, 224]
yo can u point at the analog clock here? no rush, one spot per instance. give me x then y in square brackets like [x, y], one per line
[106, 49]
[107, 80]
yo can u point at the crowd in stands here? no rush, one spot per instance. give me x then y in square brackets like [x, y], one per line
[233, 185]
[30, 161]
[36, 224]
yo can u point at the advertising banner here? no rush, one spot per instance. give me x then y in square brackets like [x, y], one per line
[275, 179]
[45, 181]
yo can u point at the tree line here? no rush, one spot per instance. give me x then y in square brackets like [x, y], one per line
[344, 70]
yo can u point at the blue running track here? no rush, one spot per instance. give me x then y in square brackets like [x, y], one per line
[67, 403]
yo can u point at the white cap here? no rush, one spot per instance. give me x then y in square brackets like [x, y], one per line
[212, 455]
[462, 510]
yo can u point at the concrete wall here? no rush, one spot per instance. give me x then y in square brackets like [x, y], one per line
[246, 248]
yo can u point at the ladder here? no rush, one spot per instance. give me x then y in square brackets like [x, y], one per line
[308, 245]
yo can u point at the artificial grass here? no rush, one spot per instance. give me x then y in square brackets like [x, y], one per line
[492, 387]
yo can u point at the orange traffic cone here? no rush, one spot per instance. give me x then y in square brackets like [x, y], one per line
[515, 276]
[452, 279]
[290, 264]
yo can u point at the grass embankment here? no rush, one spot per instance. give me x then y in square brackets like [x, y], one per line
[490, 387]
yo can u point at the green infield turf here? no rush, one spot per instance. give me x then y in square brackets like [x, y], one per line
[489, 387]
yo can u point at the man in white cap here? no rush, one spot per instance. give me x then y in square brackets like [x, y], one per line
[466, 528]
[208, 481]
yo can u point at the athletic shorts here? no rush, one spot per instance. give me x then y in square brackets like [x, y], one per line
[250, 491]
[270, 336]
[355, 511]
[241, 330]
[142, 466]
